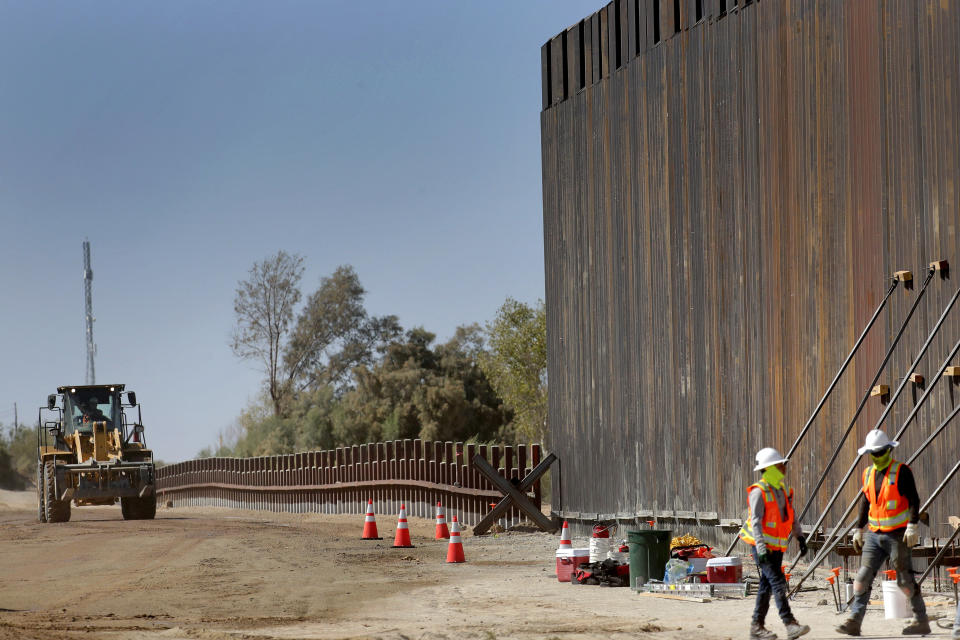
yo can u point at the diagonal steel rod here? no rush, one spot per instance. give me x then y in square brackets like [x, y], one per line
[863, 402]
[933, 563]
[903, 428]
[943, 485]
[834, 538]
[939, 556]
[827, 546]
[936, 432]
[831, 543]
[843, 367]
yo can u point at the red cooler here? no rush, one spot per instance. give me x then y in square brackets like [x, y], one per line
[724, 570]
[568, 560]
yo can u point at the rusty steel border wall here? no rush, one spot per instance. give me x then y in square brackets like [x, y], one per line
[727, 188]
[341, 480]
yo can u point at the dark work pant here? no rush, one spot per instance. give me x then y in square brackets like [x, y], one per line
[772, 581]
[877, 547]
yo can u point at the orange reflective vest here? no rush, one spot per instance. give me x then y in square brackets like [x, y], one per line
[889, 510]
[776, 528]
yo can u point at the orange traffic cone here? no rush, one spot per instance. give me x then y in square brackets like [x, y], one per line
[565, 542]
[442, 531]
[455, 548]
[402, 541]
[370, 524]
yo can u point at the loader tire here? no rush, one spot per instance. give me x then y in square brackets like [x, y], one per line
[41, 513]
[139, 508]
[54, 510]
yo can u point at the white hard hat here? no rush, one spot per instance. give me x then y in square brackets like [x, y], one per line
[876, 440]
[767, 457]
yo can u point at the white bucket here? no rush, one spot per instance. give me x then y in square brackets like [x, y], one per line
[599, 548]
[894, 601]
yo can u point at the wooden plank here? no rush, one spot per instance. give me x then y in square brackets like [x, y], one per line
[668, 596]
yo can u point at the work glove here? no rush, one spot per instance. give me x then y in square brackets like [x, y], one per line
[803, 546]
[763, 557]
[858, 540]
[912, 535]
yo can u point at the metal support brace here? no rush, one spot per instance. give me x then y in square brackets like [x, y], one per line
[514, 495]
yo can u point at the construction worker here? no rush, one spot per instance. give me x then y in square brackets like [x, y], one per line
[91, 411]
[891, 506]
[767, 531]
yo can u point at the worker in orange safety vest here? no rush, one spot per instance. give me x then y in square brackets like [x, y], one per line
[889, 503]
[767, 530]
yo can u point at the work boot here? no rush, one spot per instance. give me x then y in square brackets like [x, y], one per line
[850, 627]
[916, 628]
[795, 629]
[759, 632]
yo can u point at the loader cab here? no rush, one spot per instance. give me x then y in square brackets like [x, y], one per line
[82, 406]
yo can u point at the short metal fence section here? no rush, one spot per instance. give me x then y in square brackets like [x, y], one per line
[412, 472]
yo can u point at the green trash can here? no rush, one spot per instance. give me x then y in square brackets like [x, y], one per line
[649, 553]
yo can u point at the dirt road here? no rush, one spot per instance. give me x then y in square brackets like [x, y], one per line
[218, 574]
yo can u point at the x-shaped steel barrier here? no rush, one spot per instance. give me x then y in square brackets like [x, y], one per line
[515, 495]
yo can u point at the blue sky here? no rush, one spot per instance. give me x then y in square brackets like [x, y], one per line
[187, 140]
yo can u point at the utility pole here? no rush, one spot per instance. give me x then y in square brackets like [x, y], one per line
[16, 423]
[88, 307]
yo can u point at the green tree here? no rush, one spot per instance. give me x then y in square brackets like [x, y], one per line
[334, 333]
[312, 349]
[315, 416]
[473, 404]
[515, 363]
[9, 478]
[337, 376]
[416, 391]
[18, 456]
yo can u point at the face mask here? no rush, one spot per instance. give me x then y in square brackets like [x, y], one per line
[774, 477]
[880, 462]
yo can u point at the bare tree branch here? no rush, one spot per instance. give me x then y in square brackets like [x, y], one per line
[264, 306]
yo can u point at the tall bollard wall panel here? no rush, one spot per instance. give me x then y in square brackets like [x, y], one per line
[411, 472]
[728, 187]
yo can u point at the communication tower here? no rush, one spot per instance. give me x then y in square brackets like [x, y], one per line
[88, 296]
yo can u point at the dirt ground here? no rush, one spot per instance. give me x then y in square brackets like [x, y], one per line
[218, 574]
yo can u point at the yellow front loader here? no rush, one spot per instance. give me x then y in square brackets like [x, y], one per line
[91, 455]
